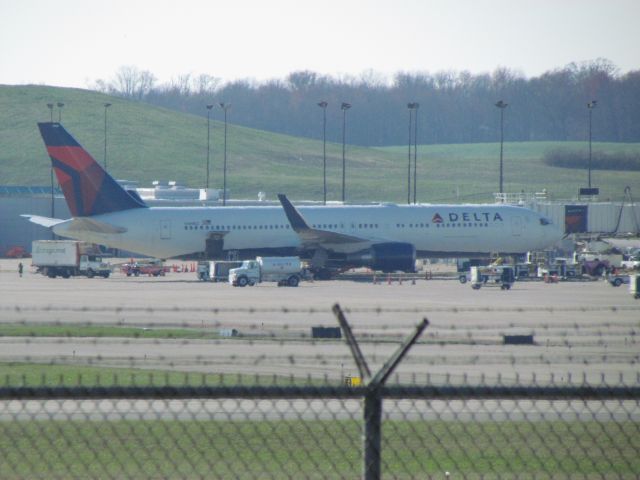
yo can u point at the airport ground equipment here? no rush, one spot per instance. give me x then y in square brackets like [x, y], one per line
[617, 279]
[564, 268]
[216, 271]
[631, 262]
[68, 258]
[286, 271]
[493, 276]
[154, 268]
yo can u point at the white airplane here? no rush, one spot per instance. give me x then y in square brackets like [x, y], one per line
[383, 237]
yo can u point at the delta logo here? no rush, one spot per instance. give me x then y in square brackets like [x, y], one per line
[468, 217]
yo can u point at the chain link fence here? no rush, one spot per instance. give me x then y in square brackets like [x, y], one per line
[256, 393]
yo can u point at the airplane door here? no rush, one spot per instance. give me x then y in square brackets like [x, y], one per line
[165, 229]
[516, 226]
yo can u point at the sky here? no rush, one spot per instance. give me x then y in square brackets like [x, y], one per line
[73, 43]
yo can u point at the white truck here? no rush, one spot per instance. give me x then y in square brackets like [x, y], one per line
[287, 271]
[216, 271]
[67, 258]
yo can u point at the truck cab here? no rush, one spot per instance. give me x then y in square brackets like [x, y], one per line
[93, 265]
[246, 274]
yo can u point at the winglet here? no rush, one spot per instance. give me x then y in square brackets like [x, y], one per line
[295, 219]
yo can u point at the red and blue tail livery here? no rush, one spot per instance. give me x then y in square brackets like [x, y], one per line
[88, 189]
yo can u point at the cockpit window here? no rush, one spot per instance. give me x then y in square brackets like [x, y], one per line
[544, 221]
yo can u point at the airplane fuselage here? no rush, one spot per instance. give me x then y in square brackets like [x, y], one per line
[166, 232]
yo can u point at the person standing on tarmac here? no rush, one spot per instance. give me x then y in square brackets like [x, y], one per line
[20, 268]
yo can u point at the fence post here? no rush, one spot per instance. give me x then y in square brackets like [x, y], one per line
[372, 434]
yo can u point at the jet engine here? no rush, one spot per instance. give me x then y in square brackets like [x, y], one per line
[387, 257]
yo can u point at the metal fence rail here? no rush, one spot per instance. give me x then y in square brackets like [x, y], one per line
[305, 431]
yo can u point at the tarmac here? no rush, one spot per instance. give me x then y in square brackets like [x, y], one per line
[581, 331]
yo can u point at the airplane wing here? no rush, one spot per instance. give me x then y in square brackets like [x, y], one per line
[312, 236]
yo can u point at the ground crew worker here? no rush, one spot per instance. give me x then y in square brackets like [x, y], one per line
[20, 268]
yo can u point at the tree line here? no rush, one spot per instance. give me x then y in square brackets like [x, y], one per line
[454, 107]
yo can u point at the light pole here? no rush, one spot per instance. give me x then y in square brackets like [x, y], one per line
[60, 105]
[106, 105]
[50, 107]
[323, 105]
[410, 107]
[501, 105]
[225, 107]
[415, 153]
[590, 106]
[209, 107]
[345, 106]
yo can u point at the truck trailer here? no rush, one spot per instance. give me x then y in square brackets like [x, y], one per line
[68, 258]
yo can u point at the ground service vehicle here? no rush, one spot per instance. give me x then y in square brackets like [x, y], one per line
[617, 279]
[631, 262]
[287, 271]
[67, 258]
[151, 267]
[216, 271]
[493, 275]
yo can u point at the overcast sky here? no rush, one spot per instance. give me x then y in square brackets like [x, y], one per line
[72, 43]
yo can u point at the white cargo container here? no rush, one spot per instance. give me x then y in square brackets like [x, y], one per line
[67, 258]
[286, 271]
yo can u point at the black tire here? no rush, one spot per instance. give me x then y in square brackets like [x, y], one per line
[105, 274]
[616, 282]
[136, 273]
[475, 286]
[66, 274]
[462, 278]
[242, 281]
[293, 281]
[90, 273]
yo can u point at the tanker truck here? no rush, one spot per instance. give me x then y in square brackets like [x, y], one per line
[286, 271]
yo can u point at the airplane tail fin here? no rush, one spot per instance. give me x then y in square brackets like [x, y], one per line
[87, 187]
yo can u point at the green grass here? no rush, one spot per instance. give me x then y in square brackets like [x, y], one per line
[24, 330]
[68, 375]
[314, 449]
[148, 143]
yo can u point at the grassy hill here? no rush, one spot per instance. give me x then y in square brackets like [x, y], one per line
[147, 143]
